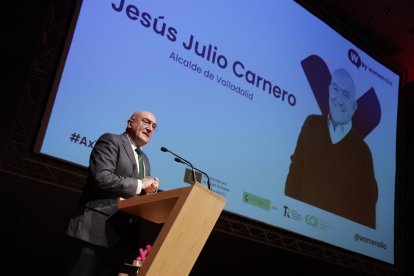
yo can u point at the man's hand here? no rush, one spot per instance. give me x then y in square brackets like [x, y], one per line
[150, 185]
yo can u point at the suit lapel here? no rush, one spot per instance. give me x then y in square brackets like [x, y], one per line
[128, 149]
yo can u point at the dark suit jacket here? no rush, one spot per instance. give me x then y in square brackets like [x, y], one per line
[112, 174]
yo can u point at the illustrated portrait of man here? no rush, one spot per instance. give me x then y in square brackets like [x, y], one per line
[331, 167]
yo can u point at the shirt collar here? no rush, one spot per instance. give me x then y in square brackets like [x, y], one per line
[339, 132]
[134, 147]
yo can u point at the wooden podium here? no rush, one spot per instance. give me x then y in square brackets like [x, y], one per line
[189, 215]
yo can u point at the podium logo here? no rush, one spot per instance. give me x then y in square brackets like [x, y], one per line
[188, 176]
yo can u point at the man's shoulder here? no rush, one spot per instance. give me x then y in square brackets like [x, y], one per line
[111, 136]
[315, 119]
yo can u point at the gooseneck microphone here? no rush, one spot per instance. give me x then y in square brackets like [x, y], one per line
[181, 160]
[208, 178]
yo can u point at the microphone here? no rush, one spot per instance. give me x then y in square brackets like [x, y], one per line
[208, 178]
[181, 160]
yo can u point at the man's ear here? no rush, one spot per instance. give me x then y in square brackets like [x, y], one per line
[355, 106]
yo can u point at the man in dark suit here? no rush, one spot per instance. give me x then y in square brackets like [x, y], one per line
[117, 168]
[332, 167]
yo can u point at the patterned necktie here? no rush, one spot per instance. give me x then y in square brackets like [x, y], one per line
[141, 172]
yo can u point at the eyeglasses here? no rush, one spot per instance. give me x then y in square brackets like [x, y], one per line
[146, 123]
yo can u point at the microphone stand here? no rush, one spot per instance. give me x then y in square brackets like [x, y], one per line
[195, 169]
[179, 159]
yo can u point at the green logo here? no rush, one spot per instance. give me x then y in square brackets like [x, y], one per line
[311, 220]
[256, 201]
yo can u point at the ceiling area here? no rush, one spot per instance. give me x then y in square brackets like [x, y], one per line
[384, 27]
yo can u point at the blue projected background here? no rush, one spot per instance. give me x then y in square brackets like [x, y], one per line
[226, 82]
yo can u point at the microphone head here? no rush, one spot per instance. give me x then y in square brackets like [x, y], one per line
[164, 149]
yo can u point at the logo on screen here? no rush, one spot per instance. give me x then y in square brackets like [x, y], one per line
[292, 214]
[286, 212]
[356, 60]
[311, 220]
